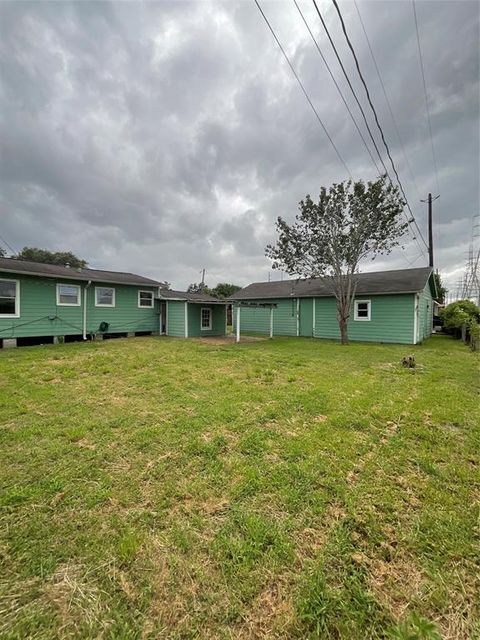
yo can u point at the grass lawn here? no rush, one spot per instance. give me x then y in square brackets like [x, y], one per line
[162, 488]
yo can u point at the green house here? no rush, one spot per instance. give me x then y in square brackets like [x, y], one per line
[389, 306]
[189, 315]
[44, 303]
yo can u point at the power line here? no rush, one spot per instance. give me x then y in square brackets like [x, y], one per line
[7, 245]
[412, 175]
[382, 135]
[351, 87]
[426, 96]
[410, 262]
[304, 90]
[366, 123]
[337, 86]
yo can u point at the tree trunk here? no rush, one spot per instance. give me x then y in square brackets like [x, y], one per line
[343, 330]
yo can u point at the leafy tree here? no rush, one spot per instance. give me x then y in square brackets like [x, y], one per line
[459, 313]
[3, 253]
[198, 288]
[441, 290]
[329, 238]
[224, 290]
[51, 257]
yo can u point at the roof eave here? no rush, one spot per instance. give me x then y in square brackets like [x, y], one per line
[324, 295]
[76, 277]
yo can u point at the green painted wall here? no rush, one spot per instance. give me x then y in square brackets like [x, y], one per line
[392, 319]
[40, 315]
[218, 320]
[176, 318]
[257, 319]
[425, 311]
[306, 317]
[126, 315]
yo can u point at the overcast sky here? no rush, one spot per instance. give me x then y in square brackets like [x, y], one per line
[163, 138]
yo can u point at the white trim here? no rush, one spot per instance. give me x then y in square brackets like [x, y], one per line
[145, 306]
[298, 317]
[369, 310]
[314, 319]
[237, 336]
[416, 305]
[69, 304]
[185, 319]
[85, 305]
[17, 299]
[166, 318]
[209, 328]
[271, 322]
[97, 304]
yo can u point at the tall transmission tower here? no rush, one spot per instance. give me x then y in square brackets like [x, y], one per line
[471, 277]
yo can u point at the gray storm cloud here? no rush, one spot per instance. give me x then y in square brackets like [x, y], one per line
[163, 138]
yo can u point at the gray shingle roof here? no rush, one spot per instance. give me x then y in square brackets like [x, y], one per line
[168, 294]
[377, 282]
[10, 265]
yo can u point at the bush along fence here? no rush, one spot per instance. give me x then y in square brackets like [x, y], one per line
[462, 320]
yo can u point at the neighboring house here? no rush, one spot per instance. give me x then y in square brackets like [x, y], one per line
[191, 315]
[389, 306]
[42, 302]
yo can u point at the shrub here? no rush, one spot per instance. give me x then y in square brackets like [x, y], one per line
[460, 313]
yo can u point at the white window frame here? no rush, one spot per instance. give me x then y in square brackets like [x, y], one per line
[145, 306]
[17, 299]
[99, 304]
[209, 328]
[369, 309]
[69, 304]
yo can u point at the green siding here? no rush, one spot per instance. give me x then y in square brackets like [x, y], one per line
[425, 313]
[176, 318]
[126, 316]
[218, 320]
[306, 317]
[392, 319]
[41, 316]
[257, 319]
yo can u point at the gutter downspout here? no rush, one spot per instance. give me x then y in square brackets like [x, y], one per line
[85, 288]
[416, 304]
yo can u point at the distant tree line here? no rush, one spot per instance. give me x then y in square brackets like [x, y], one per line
[222, 290]
[34, 254]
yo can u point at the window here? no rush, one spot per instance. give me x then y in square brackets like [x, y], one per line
[206, 319]
[145, 299]
[9, 299]
[104, 297]
[68, 295]
[362, 309]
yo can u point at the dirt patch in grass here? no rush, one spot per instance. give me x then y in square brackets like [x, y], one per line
[74, 595]
[224, 340]
[271, 614]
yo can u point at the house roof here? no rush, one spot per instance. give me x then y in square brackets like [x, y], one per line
[168, 294]
[12, 265]
[376, 282]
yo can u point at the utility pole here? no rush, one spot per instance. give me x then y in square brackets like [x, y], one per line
[430, 228]
[203, 279]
